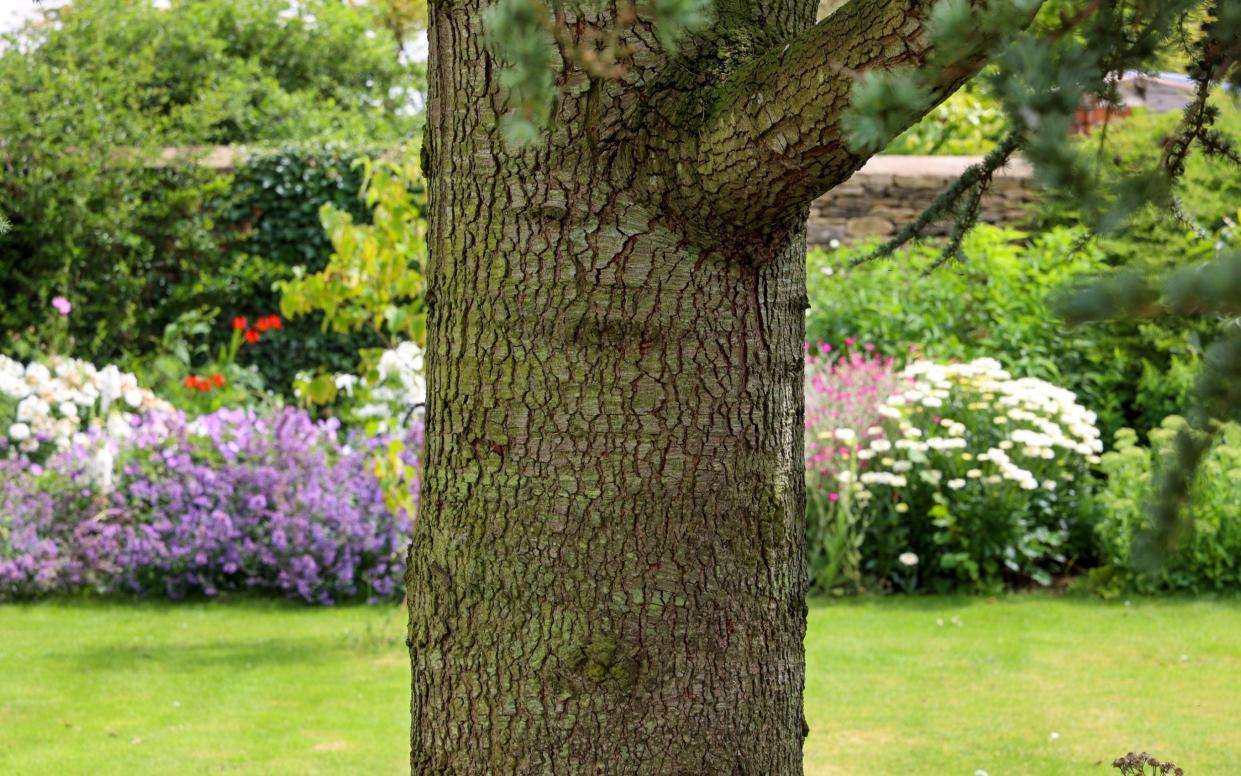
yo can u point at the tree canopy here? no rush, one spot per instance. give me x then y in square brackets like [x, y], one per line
[216, 71]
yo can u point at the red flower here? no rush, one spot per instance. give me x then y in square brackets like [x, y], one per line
[196, 383]
[217, 380]
[268, 322]
[239, 322]
[274, 322]
[252, 336]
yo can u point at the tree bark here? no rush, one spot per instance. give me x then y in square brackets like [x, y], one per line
[774, 139]
[607, 575]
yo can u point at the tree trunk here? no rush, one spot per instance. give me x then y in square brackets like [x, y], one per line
[607, 575]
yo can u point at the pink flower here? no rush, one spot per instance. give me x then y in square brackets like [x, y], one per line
[833, 497]
[850, 340]
[62, 305]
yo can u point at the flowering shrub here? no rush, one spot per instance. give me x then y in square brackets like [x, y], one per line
[385, 400]
[946, 476]
[230, 501]
[44, 405]
[1208, 556]
[1128, 373]
[983, 477]
[844, 391]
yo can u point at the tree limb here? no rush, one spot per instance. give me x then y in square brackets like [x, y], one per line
[773, 137]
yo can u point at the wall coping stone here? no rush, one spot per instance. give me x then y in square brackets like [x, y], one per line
[948, 167]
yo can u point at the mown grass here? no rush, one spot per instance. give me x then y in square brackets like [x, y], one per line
[1027, 685]
[929, 686]
[251, 687]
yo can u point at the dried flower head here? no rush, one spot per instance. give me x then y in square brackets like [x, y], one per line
[1137, 764]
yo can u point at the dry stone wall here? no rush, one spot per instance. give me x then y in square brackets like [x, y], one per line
[892, 190]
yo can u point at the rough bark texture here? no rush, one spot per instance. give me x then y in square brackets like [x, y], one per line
[607, 576]
[773, 136]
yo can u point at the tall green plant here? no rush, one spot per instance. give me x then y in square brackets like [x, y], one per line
[373, 279]
[1209, 555]
[372, 283]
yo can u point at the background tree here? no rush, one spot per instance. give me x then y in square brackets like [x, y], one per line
[90, 91]
[608, 575]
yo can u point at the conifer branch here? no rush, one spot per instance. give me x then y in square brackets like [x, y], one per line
[971, 182]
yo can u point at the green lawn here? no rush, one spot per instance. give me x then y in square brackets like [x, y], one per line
[923, 686]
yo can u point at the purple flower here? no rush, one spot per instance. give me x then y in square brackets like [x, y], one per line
[62, 305]
[231, 501]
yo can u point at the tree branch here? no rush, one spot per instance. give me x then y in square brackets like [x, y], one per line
[773, 138]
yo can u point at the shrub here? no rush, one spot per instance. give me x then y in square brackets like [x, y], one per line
[230, 501]
[383, 400]
[1208, 192]
[1208, 556]
[272, 214]
[373, 280]
[93, 92]
[970, 122]
[985, 478]
[265, 229]
[970, 480]
[44, 406]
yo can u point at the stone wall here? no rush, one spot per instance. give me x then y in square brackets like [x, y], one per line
[887, 192]
[892, 190]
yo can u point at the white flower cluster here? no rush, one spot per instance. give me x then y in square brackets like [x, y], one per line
[1057, 418]
[385, 401]
[1004, 430]
[52, 402]
[401, 370]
